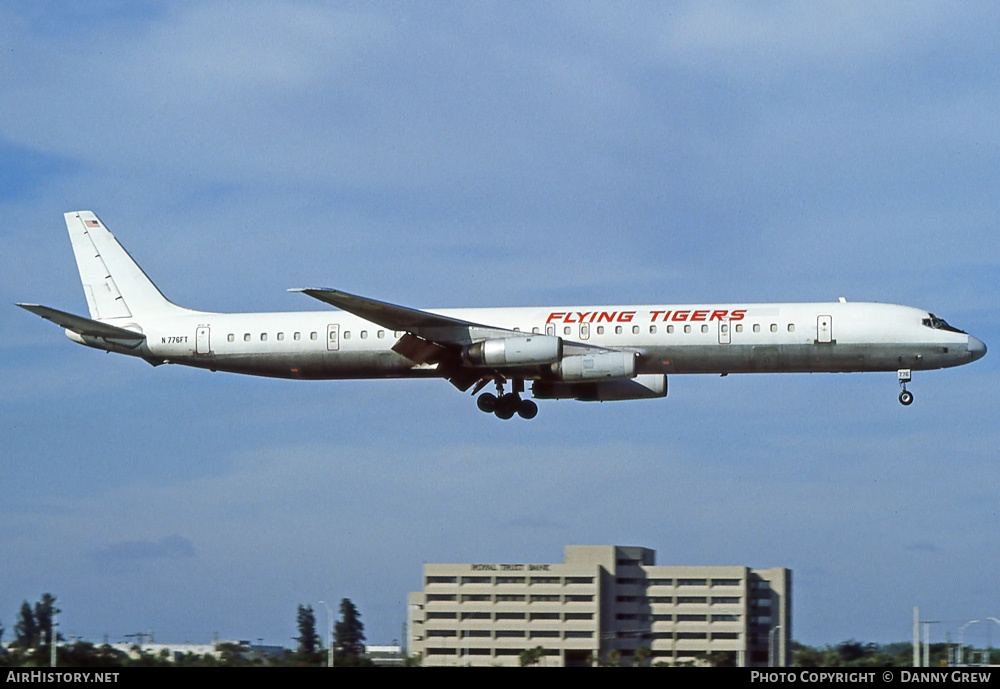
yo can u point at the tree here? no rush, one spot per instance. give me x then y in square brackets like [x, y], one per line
[349, 632]
[308, 639]
[531, 656]
[26, 630]
[642, 654]
[45, 612]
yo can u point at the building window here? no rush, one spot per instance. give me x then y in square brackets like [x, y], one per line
[475, 580]
[442, 580]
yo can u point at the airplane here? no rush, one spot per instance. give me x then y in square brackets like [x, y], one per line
[590, 353]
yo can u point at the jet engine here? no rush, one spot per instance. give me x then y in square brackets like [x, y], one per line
[596, 366]
[534, 350]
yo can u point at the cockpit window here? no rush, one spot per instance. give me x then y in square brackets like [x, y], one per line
[936, 323]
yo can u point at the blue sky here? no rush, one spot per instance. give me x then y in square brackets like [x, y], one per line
[493, 154]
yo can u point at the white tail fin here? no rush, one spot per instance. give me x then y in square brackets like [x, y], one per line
[114, 284]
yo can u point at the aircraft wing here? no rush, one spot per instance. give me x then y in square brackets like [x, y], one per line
[431, 338]
[426, 325]
[83, 326]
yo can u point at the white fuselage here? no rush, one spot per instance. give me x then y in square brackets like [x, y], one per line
[727, 338]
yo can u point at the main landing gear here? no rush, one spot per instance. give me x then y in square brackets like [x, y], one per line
[504, 406]
[905, 397]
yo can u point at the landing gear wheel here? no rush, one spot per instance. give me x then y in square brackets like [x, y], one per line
[527, 409]
[906, 398]
[507, 406]
[487, 402]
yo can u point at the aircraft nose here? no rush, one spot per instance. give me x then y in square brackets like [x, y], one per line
[977, 348]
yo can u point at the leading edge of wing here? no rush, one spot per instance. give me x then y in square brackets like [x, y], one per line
[429, 326]
[396, 317]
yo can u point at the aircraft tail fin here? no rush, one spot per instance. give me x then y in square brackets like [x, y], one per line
[114, 283]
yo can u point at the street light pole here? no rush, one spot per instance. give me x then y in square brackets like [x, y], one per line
[772, 658]
[961, 641]
[329, 634]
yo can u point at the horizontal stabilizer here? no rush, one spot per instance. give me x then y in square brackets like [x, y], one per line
[81, 325]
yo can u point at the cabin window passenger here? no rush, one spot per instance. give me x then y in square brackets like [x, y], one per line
[381, 334]
[534, 330]
[670, 328]
[704, 328]
[246, 337]
[600, 330]
[566, 330]
[791, 327]
[364, 334]
[347, 334]
[263, 338]
[774, 327]
[756, 327]
[635, 329]
[517, 330]
[618, 330]
[231, 338]
[652, 330]
[281, 336]
[313, 335]
[687, 328]
[297, 336]
[739, 327]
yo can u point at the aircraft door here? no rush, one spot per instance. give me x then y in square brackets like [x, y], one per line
[202, 342]
[725, 337]
[333, 337]
[824, 329]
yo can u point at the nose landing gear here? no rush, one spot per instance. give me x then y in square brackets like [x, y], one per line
[905, 397]
[504, 406]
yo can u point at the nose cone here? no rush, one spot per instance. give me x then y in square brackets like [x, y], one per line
[977, 348]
